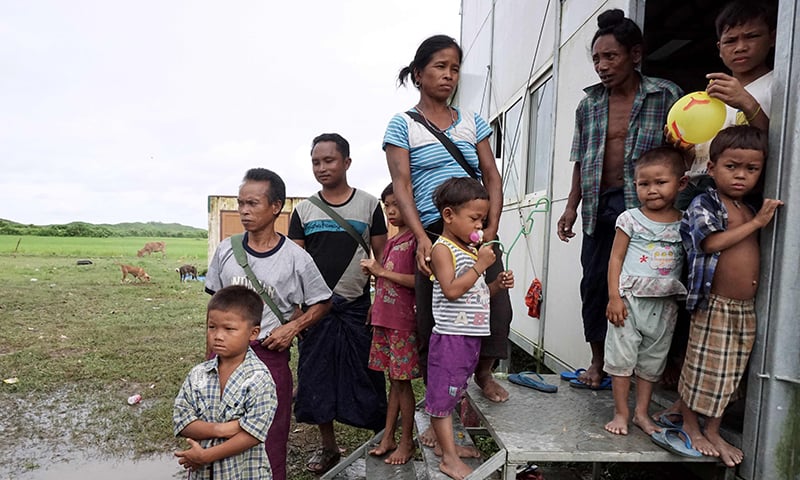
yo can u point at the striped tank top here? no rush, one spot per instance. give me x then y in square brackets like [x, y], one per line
[469, 314]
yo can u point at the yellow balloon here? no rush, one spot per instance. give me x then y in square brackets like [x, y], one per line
[696, 117]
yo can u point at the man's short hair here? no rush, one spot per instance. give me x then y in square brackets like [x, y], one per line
[341, 144]
[240, 299]
[277, 189]
[742, 137]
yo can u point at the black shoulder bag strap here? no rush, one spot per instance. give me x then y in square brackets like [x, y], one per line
[341, 221]
[241, 259]
[448, 144]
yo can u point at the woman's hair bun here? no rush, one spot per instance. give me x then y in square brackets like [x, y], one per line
[610, 18]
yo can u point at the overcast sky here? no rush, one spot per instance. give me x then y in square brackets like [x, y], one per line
[115, 111]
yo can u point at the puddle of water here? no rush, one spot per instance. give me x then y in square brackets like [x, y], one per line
[155, 468]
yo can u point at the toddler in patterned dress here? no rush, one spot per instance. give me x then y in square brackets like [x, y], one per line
[643, 284]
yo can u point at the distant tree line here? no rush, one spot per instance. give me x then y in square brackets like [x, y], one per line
[82, 229]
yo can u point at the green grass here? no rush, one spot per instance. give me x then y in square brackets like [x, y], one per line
[178, 249]
[77, 335]
[80, 343]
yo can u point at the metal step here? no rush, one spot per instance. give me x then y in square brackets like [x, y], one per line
[360, 464]
[377, 468]
[566, 426]
[422, 421]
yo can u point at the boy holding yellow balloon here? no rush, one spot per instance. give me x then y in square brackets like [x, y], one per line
[746, 34]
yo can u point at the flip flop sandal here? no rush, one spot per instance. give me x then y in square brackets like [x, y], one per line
[572, 375]
[325, 459]
[676, 441]
[664, 420]
[605, 384]
[524, 379]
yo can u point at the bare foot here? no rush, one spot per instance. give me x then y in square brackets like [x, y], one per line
[729, 454]
[618, 425]
[401, 455]
[461, 450]
[455, 469]
[703, 445]
[592, 376]
[646, 424]
[428, 437]
[491, 389]
[387, 445]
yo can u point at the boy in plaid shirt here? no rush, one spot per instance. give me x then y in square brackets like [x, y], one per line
[720, 233]
[226, 405]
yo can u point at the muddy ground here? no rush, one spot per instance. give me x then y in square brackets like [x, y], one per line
[55, 438]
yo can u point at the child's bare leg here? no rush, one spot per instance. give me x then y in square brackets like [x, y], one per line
[644, 390]
[405, 449]
[691, 426]
[621, 386]
[387, 442]
[451, 465]
[729, 454]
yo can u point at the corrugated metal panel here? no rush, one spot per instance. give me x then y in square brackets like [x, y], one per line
[772, 418]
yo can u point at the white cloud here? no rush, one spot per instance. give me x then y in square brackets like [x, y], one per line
[116, 112]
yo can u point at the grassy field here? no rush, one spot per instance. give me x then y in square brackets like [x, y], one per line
[192, 250]
[79, 343]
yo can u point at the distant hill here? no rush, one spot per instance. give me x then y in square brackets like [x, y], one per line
[82, 229]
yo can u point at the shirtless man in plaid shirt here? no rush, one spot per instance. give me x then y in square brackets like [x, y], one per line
[618, 120]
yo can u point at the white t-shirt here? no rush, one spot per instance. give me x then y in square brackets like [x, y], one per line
[287, 272]
[761, 90]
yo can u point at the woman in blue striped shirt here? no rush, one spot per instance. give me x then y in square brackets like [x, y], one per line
[419, 162]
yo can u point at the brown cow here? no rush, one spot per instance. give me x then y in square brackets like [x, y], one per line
[136, 272]
[152, 247]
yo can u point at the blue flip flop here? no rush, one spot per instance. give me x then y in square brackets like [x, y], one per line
[524, 379]
[605, 384]
[572, 375]
[670, 439]
[664, 421]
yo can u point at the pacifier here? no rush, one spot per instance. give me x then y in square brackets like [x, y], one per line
[476, 237]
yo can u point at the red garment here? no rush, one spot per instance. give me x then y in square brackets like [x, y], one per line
[533, 299]
[394, 304]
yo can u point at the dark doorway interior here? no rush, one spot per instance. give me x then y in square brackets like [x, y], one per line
[681, 41]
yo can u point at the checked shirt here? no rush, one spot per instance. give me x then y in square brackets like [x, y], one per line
[653, 100]
[249, 397]
[704, 216]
